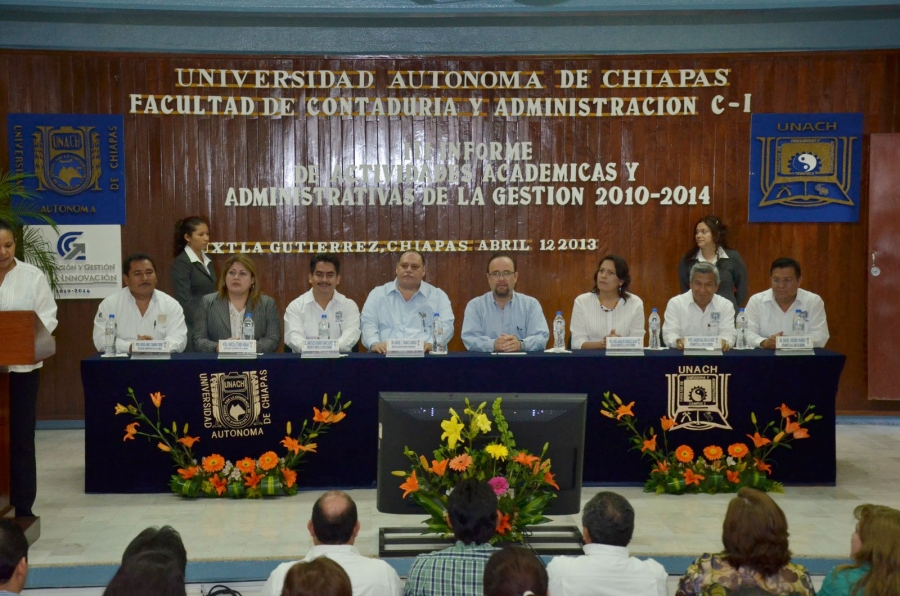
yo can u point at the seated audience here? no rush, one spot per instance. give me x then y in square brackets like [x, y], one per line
[699, 311]
[459, 569]
[756, 558]
[606, 567]
[13, 557]
[515, 571]
[165, 539]
[333, 528]
[319, 577]
[771, 313]
[151, 573]
[221, 315]
[608, 310]
[142, 312]
[875, 550]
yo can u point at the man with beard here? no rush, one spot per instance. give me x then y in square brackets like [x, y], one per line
[303, 315]
[503, 320]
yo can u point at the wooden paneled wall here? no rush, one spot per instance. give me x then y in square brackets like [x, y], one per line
[182, 165]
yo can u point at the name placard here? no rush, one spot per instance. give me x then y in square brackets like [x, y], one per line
[702, 342]
[319, 348]
[150, 349]
[624, 346]
[405, 348]
[794, 344]
[237, 348]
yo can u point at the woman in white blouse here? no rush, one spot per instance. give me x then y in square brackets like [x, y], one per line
[23, 287]
[608, 310]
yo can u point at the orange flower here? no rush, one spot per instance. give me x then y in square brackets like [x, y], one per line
[713, 452]
[156, 398]
[662, 467]
[691, 478]
[327, 417]
[548, 479]
[734, 477]
[188, 441]
[439, 467]
[213, 463]
[759, 441]
[291, 444]
[411, 485]
[684, 454]
[785, 411]
[738, 450]
[525, 459]
[252, 480]
[666, 423]
[246, 465]
[189, 473]
[268, 460]
[801, 433]
[461, 462]
[649, 445]
[762, 466]
[131, 430]
[309, 447]
[163, 447]
[607, 414]
[335, 418]
[290, 477]
[624, 411]
[791, 427]
[218, 483]
[503, 525]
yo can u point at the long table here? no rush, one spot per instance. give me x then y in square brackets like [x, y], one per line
[277, 388]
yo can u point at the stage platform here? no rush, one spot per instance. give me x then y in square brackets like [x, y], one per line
[83, 536]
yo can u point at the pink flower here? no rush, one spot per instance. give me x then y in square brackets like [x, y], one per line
[499, 484]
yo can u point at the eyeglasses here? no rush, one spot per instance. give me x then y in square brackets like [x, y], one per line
[499, 274]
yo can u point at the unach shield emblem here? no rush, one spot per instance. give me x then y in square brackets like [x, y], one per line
[67, 159]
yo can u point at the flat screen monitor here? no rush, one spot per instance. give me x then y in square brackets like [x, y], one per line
[414, 420]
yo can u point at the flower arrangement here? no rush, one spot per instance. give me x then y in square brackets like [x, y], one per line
[714, 470]
[521, 480]
[213, 476]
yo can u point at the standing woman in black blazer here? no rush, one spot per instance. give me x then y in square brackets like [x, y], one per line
[710, 245]
[193, 274]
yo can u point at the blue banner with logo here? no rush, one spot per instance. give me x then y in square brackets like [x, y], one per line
[805, 167]
[78, 164]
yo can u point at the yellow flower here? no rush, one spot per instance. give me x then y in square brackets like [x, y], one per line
[497, 451]
[482, 423]
[120, 409]
[452, 429]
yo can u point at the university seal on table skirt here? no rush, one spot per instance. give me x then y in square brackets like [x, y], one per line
[234, 403]
[698, 398]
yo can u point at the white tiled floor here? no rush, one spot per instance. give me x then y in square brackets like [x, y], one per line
[89, 529]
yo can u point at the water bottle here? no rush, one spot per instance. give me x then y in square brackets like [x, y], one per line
[653, 324]
[110, 337]
[249, 331]
[799, 326]
[324, 328]
[438, 346]
[740, 325]
[559, 331]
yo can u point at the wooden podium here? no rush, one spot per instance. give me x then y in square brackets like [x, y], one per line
[24, 341]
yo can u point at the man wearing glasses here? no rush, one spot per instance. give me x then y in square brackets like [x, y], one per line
[771, 313]
[503, 320]
[303, 315]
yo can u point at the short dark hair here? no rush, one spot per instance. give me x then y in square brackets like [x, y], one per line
[513, 571]
[325, 257]
[784, 262]
[137, 256]
[609, 519]
[334, 529]
[165, 540]
[622, 273]
[10, 227]
[755, 533]
[502, 255]
[415, 252]
[472, 508]
[152, 573]
[186, 227]
[319, 577]
[13, 545]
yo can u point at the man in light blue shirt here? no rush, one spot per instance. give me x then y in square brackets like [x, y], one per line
[405, 308]
[503, 320]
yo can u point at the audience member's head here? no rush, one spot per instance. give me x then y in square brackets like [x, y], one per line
[334, 519]
[472, 511]
[608, 518]
[319, 577]
[13, 556]
[876, 544]
[755, 533]
[165, 539]
[150, 573]
[514, 571]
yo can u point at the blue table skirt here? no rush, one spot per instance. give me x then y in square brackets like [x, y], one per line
[289, 387]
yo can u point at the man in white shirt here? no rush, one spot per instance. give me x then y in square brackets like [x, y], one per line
[142, 312]
[606, 569]
[700, 311]
[303, 315]
[771, 313]
[333, 528]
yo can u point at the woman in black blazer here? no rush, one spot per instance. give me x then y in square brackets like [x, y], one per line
[710, 243]
[193, 274]
[221, 315]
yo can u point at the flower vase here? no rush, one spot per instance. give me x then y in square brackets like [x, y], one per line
[675, 486]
